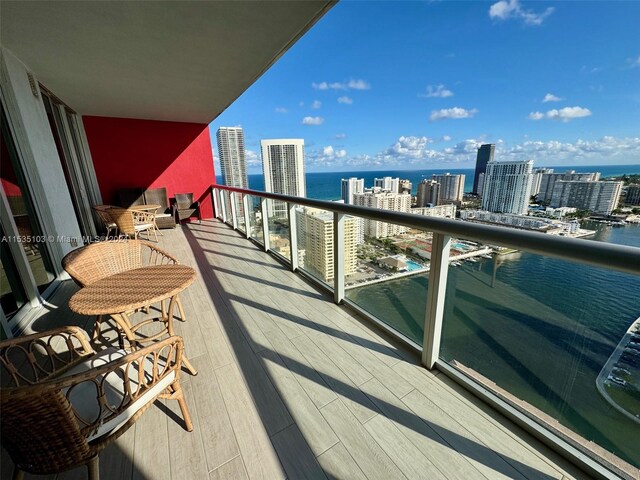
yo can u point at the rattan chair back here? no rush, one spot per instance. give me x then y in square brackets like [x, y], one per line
[93, 262]
[41, 427]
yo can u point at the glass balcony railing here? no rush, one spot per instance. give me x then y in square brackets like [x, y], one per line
[278, 222]
[390, 278]
[546, 325]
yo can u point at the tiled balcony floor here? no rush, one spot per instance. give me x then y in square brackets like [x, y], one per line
[292, 385]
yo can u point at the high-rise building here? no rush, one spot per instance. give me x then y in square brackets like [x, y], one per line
[451, 187]
[507, 187]
[232, 161]
[405, 186]
[428, 193]
[633, 195]
[548, 181]
[485, 155]
[397, 202]
[232, 156]
[387, 183]
[349, 186]
[283, 167]
[597, 197]
[536, 182]
[315, 236]
[480, 184]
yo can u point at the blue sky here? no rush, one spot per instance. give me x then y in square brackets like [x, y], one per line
[409, 85]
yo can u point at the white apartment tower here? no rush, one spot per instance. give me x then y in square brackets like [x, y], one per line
[597, 197]
[451, 187]
[507, 187]
[387, 183]
[232, 156]
[283, 167]
[549, 179]
[397, 202]
[315, 236]
[349, 186]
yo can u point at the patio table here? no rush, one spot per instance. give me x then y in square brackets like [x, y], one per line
[123, 293]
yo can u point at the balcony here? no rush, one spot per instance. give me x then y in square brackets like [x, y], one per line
[292, 385]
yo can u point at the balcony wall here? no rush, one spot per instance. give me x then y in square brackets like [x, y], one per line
[149, 154]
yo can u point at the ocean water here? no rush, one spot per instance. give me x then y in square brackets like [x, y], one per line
[326, 185]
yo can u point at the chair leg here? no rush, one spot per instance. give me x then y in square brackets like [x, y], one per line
[182, 402]
[182, 317]
[96, 328]
[93, 468]
[17, 473]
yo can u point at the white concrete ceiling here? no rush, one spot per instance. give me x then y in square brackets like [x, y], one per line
[163, 60]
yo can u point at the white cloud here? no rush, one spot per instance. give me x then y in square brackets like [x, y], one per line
[252, 159]
[550, 97]
[312, 121]
[506, 9]
[340, 136]
[455, 112]
[565, 114]
[412, 152]
[358, 85]
[438, 91]
[346, 100]
[634, 62]
[568, 113]
[446, 138]
[281, 110]
[316, 104]
[352, 84]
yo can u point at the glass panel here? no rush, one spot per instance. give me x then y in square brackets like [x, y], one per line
[315, 243]
[227, 207]
[219, 203]
[240, 212]
[28, 230]
[546, 332]
[255, 219]
[278, 228]
[390, 278]
[12, 294]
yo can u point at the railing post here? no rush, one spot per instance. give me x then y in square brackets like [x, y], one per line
[438, 270]
[265, 223]
[214, 200]
[234, 213]
[293, 235]
[223, 206]
[338, 257]
[247, 223]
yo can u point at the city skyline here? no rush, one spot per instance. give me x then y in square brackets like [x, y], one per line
[424, 92]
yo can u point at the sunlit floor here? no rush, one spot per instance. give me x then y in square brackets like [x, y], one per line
[292, 385]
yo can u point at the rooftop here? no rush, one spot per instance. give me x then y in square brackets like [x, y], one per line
[292, 385]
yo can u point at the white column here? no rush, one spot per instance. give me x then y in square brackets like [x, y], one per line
[265, 222]
[293, 235]
[338, 257]
[435, 298]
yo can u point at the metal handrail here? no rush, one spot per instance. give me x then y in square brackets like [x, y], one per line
[607, 255]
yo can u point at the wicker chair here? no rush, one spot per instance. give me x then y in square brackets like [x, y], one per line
[66, 403]
[131, 223]
[186, 207]
[165, 216]
[95, 261]
[103, 212]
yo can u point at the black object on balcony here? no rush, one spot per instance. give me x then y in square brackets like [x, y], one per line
[186, 207]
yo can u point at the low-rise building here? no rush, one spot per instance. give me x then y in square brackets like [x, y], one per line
[444, 211]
